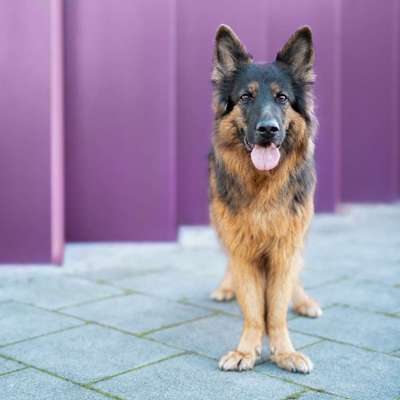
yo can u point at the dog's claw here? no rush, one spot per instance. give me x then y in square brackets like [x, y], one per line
[237, 361]
[293, 362]
[222, 295]
[309, 309]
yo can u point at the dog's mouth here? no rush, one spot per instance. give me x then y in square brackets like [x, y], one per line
[264, 157]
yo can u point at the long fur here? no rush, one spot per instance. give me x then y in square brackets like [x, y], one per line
[262, 217]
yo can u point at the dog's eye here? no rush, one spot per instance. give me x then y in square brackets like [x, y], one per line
[245, 98]
[281, 98]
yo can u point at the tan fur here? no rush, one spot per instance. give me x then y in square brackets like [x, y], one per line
[253, 88]
[264, 241]
[275, 89]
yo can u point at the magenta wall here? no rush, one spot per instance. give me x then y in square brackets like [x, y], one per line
[370, 109]
[120, 120]
[25, 196]
[138, 117]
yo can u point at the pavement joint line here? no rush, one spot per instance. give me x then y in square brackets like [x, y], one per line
[296, 395]
[141, 334]
[14, 370]
[357, 308]
[180, 323]
[328, 282]
[306, 346]
[146, 293]
[161, 360]
[227, 313]
[310, 388]
[83, 303]
[108, 281]
[324, 338]
[363, 309]
[43, 335]
[45, 371]
[113, 328]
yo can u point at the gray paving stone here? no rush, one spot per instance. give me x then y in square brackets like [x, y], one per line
[312, 278]
[231, 307]
[59, 291]
[360, 328]
[82, 258]
[9, 366]
[347, 371]
[196, 378]
[14, 274]
[214, 336]
[87, 353]
[360, 244]
[388, 273]
[136, 313]
[20, 321]
[34, 385]
[358, 293]
[172, 284]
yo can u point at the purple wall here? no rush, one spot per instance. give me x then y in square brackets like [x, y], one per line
[370, 86]
[138, 116]
[120, 120]
[25, 197]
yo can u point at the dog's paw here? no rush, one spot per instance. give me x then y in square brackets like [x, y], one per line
[293, 362]
[309, 308]
[237, 361]
[222, 295]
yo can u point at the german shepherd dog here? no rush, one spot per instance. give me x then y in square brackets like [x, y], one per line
[262, 180]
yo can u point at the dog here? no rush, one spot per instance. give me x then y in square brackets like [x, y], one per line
[261, 188]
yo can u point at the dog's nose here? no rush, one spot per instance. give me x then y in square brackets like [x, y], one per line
[267, 128]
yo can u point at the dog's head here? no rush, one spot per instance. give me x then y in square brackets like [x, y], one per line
[270, 105]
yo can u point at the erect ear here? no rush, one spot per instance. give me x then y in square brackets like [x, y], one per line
[298, 54]
[229, 53]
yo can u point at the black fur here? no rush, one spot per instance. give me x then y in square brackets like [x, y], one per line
[229, 188]
[301, 183]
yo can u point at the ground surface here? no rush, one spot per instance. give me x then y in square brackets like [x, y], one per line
[135, 322]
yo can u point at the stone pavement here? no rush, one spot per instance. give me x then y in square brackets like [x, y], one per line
[130, 321]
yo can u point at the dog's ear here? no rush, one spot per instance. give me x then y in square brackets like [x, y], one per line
[229, 54]
[298, 54]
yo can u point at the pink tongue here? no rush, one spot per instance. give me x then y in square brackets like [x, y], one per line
[265, 158]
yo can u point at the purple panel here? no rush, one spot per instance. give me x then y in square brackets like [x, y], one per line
[25, 212]
[120, 120]
[283, 18]
[262, 25]
[396, 84]
[369, 150]
[197, 24]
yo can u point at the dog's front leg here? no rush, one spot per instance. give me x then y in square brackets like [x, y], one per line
[249, 283]
[281, 277]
